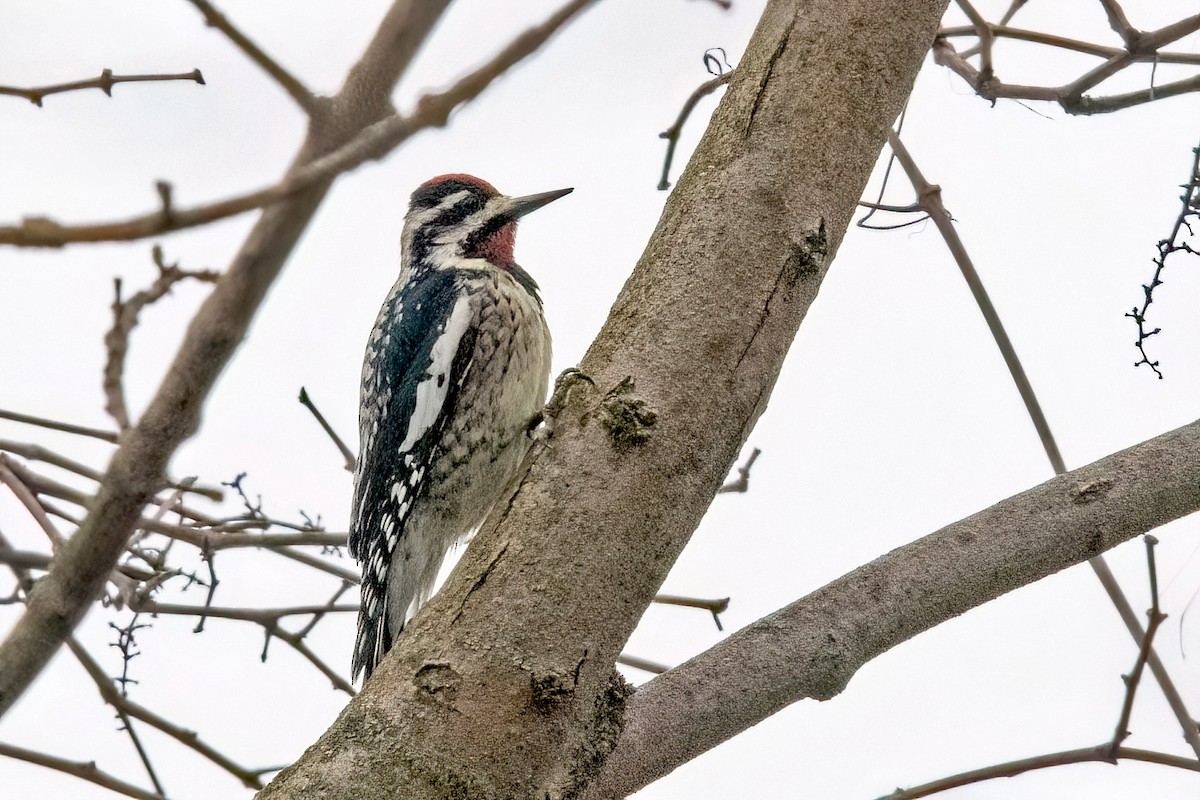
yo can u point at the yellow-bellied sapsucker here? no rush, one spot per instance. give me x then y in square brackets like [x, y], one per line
[455, 371]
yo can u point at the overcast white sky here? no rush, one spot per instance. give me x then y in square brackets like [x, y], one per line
[893, 416]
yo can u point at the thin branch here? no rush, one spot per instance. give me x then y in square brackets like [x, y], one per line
[1065, 43]
[984, 31]
[23, 494]
[125, 318]
[104, 83]
[127, 725]
[1135, 676]
[374, 142]
[123, 705]
[29, 559]
[929, 196]
[260, 616]
[87, 770]
[714, 607]
[741, 484]
[288, 82]
[814, 646]
[930, 199]
[65, 427]
[59, 600]
[672, 133]
[645, 665]
[337, 440]
[1120, 23]
[1100, 753]
[36, 452]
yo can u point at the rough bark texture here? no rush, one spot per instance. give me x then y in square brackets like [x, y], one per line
[811, 648]
[504, 685]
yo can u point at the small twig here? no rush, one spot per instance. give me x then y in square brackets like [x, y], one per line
[672, 133]
[984, 32]
[1189, 209]
[127, 726]
[330, 607]
[125, 318]
[213, 580]
[269, 620]
[715, 607]
[36, 452]
[248, 777]
[260, 616]
[929, 196]
[66, 427]
[1100, 753]
[29, 559]
[104, 83]
[373, 142]
[290, 84]
[1120, 23]
[127, 644]
[347, 454]
[741, 484]
[1156, 618]
[643, 664]
[87, 770]
[27, 498]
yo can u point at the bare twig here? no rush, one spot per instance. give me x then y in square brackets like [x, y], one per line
[741, 484]
[87, 770]
[1120, 24]
[372, 143]
[22, 493]
[1190, 209]
[288, 82]
[65, 427]
[1100, 753]
[337, 440]
[929, 196]
[644, 664]
[269, 620]
[1139, 47]
[104, 83]
[1062, 42]
[714, 607]
[123, 705]
[1156, 618]
[125, 318]
[671, 134]
[28, 559]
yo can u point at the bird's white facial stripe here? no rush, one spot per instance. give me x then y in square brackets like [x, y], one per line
[431, 391]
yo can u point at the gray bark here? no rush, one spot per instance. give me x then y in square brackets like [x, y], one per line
[504, 685]
[811, 648]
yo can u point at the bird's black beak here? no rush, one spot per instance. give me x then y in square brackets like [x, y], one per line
[520, 206]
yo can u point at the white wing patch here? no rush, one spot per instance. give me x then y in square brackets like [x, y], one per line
[431, 391]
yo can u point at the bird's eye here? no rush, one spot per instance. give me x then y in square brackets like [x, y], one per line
[471, 204]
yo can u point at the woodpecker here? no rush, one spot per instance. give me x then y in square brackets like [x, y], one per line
[456, 369]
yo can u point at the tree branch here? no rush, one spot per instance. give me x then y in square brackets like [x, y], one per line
[811, 648]
[87, 770]
[307, 101]
[135, 473]
[604, 510]
[104, 83]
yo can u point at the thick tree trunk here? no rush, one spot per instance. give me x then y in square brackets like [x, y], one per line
[504, 685]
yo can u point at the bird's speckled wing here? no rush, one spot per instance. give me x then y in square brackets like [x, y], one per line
[415, 362]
